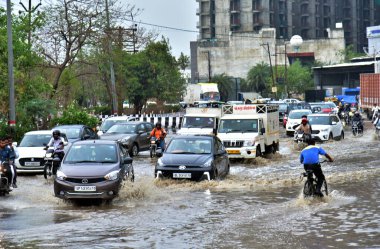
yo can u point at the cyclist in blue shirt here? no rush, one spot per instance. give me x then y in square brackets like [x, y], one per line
[310, 159]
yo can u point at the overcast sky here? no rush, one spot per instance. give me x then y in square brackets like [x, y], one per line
[170, 13]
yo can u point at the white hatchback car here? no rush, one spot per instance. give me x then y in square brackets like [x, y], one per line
[326, 126]
[31, 151]
[294, 118]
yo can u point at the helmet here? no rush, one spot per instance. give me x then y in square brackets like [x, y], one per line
[357, 113]
[304, 121]
[158, 124]
[56, 132]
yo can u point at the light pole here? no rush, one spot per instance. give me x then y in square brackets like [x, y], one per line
[12, 108]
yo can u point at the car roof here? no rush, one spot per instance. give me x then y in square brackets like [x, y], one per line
[132, 122]
[68, 126]
[301, 110]
[120, 118]
[40, 132]
[96, 141]
[321, 114]
[206, 137]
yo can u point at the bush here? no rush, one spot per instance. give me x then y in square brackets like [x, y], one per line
[74, 115]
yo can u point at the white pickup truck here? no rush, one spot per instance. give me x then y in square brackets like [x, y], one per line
[247, 131]
[200, 121]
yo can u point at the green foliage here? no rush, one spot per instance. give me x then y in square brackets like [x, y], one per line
[74, 115]
[258, 79]
[152, 73]
[349, 53]
[183, 61]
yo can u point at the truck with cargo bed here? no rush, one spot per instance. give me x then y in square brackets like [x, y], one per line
[200, 121]
[369, 91]
[247, 131]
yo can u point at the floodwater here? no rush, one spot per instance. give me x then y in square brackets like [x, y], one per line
[259, 205]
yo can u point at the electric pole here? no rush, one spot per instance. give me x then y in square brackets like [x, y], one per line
[112, 72]
[12, 108]
[30, 10]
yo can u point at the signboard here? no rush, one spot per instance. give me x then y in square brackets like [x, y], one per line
[244, 109]
[274, 89]
[373, 31]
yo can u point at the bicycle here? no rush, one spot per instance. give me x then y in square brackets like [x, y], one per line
[310, 186]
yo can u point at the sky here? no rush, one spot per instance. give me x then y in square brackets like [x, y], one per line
[180, 14]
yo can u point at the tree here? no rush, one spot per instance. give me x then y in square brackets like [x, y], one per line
[224, 85]
[152, 73]
[349, 53]
[257, 78]
[183, 61]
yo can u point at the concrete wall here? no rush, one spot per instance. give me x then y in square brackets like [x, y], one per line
[244, 50]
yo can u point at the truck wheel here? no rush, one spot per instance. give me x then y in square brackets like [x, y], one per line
[258, 151]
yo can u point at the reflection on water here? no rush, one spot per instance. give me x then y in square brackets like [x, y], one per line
[259, 205]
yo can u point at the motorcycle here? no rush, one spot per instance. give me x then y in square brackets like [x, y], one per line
[356, 130]
[344, 118]
[4, 182]
[153, 146]
[52, 163]
[299, 137]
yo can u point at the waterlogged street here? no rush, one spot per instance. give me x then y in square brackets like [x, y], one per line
[259, 205]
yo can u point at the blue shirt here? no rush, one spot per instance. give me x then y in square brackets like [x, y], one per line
[5, 154]
[310, 155]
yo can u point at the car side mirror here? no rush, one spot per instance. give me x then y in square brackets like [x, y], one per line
[262, 131]
[333, 123]
[159, 152]
[85, 137]
[14, 144]
[127, 160]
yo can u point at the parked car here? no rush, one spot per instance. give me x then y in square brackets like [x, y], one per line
[294, 118]
[76, 132]
[31, 151]
[193, 157]
[93, 169]
[133, 135]
[324, 107]
[109, 122]
[291, 100]
[326, 126]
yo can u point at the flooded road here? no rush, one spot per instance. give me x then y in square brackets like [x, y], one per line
[258, 206]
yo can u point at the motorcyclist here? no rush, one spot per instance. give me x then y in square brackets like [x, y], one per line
[310, 159]
[58, 143]
[5, 154]
[12, 156]
[160, 135]
[305, 127]
[375, 112]
[358, 118]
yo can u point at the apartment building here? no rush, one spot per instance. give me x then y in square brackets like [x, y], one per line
[308, 18]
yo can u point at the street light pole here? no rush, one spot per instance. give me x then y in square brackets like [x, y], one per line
[12, 108]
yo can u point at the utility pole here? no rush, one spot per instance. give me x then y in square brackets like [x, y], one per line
[270, 62]
[30, 10]
[209, 66]
[12, 108]
[112, 72]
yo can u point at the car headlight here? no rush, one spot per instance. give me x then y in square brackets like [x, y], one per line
[160, 163]
[208, 163]
[249, 143]
[112, 175]
[60, 175]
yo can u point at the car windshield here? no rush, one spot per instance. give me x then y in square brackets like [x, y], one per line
[198, 122]
[35, 140]
[109, 123]
[238, 125]
[319, 120]
[283, 107]
[71, 133]
[91, 153]
[298, 115]
[189, 146]
[122, 129]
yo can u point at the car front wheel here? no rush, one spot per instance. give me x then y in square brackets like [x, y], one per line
[134, 150]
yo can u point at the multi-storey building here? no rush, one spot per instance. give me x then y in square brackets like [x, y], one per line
[307, 18]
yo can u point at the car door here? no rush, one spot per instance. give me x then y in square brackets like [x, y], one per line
[224, 161]
[142, 137]
[123, 153]
[336, 127]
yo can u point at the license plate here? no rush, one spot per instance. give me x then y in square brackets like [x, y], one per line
[181, 175]
[233, 151]
[85, 188]
[32, 163]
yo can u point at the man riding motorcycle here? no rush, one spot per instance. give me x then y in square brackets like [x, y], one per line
[305, 127]
[310, 159]
[358, 118]
[160, 135]
[5, 156]
[57, 142]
